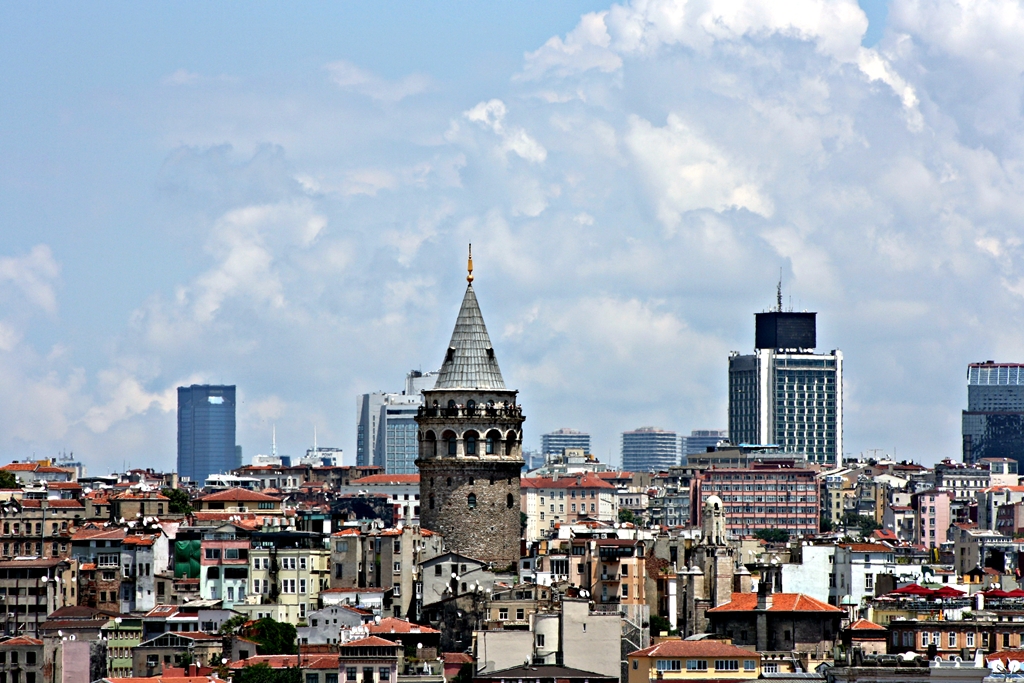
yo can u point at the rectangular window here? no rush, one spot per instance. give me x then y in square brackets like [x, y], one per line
[520, 614]
[673, 665]
[302, 563]
[503, 614]
[302, 586]
[696, 665]
[398, 568]
[312, 678]
[951, 639]
[727, 665]
[869, 582]
[230, 553]
[540, 640]
[350, 673]
[970, 640]
[385, 673]
[749, 665]
[341, 546]
[213, 553]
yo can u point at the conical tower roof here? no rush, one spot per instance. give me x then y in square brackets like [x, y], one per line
[470, 362]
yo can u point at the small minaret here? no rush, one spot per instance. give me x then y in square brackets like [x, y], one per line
[470, 446]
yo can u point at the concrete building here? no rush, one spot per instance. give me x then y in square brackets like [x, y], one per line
[385, 558]
[649, 449]
[993, 424]
[555, 443]
[206, 431]
[804, 572]
[991, 499]
[402, 491]
[550, 501]
[765, 496]
[32, 590]
[700, 440]
[288, 571]
[573, 635]
[470, 446]
[784, 393]
[931, 517]
[224, 566]
[21, 659]
[857, 567]
[386, 432]
[693, 660]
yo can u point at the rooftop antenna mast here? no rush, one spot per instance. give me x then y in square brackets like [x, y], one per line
[316, 451]
[778, 292]
[273, 442]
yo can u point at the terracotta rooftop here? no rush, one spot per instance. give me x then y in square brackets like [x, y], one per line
[239, 495]
[693, 648]
[395, 625]
[865, 625]
[781, 602]
[866, 547]
[20, 641]
[372, 641]
[588, 480]
[384, 479]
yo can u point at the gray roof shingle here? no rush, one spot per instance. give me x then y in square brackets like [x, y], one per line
[470, 362]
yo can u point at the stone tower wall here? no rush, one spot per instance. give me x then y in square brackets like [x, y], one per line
[489, 531]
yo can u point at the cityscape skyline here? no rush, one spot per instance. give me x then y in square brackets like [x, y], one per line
[179, 209]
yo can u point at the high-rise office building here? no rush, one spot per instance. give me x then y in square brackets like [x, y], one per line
[648, 449]
[386, 425]
[993, 424]
[700, 440]
[206, 431]
[554, 443]
[785, 394]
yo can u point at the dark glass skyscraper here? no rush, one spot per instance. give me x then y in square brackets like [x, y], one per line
[993, 424]
[206, 431]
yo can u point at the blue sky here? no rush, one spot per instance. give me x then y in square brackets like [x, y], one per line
[279, 196]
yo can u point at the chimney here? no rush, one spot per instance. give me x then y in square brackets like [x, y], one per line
[764, 594]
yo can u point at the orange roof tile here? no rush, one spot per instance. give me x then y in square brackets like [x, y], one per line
[865, 625]
[395, 625]
[693, 648]
[372, 641]
[240, 495]
[383, 479]
[781, 602]
[20, 640]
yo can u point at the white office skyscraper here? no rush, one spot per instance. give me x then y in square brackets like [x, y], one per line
[784, 393]
[649, 449]
[386, 425]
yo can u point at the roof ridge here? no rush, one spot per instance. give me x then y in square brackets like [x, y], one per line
[469, 362]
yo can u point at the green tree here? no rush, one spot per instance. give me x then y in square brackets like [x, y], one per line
[262, 673]
[772, 535]
[272, 637]
[660, 624]
[826, 523]
[867, 524]
[180, 503]
[8, 480]
[233, 624]
[626, 516]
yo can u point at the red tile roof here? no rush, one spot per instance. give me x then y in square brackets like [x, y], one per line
[866, 547]
[372, 641]
[395, 625]
[865, 625]
[20, 640]
[588, 480]
[693, 648]
[781, 602]
[384, 479]
[240, 495]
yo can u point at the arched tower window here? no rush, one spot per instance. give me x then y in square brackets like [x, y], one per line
[471, 500]
[510, 443]
[431, 501]
[430, 444]
[509, 501]
[449, 482]
[493, 438]
[470, 440]
[452, 442]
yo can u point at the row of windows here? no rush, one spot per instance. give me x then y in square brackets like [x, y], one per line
[702, 665]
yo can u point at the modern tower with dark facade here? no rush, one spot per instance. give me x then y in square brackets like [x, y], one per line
[470, 446]
[785, 394]
[993, 424]
[206, 431]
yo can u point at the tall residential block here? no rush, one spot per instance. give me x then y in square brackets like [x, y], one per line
[386, 425]
[785, 394]
[648, 449]
[471, 441]
[554, 443]
[993, 424]
[206, 431]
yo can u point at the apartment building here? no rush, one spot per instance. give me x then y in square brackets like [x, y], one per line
[550, 501]
[765, 496]
[931, 517]
[384, 558]
[224, 567]
[39, 527]
[288, 570]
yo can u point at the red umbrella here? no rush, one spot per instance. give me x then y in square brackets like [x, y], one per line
[1016, 593]
[996, 593]
[947, 592]
[912, 589]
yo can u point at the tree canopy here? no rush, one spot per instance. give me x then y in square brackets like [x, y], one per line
[180, 503]
[772, 535]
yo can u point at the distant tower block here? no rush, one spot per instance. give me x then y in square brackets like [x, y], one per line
[470, 446]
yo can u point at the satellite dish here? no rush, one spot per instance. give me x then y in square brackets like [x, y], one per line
[1014, 666]
[419, 646]
[60, 633]
[376, 619]
[72, 636]
[455, 576]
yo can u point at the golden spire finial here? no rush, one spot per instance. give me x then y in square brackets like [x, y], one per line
[469, 278]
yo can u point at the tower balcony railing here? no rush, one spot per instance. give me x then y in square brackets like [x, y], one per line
[487, 410]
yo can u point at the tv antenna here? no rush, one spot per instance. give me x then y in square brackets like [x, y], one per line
[778, 293]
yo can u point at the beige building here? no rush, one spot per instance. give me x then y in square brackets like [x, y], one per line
[287, 572]
[551, 501]
[693, 660]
